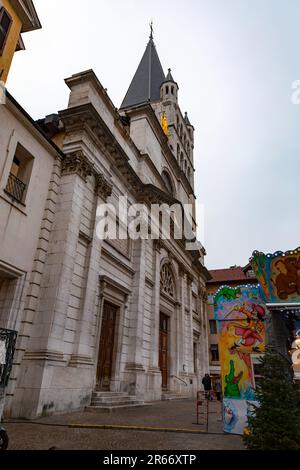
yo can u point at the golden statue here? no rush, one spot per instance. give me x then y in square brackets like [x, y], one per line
[164, 124]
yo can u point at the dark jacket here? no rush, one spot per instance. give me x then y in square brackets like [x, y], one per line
[206, 381]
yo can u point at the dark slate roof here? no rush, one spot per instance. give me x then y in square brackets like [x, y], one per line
[147, 80]
[169, 77]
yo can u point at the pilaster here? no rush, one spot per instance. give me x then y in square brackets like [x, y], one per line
[84, 347]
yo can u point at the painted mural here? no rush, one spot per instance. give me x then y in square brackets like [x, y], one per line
[240, 313]
[236, 413]
[278, 275]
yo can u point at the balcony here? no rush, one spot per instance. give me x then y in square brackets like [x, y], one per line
[15, 188]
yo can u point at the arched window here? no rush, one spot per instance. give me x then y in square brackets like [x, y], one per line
[168, 181]
[172, 90]
[167, 284]
[167, 90]
[181, 160]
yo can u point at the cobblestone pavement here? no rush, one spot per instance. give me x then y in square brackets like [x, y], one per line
[54, 431]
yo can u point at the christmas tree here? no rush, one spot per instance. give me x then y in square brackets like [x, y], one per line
[275, 424]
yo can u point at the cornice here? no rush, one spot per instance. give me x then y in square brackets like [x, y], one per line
[77, 163]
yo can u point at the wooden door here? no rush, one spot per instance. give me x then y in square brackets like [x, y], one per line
[164, 350]
[105, 359]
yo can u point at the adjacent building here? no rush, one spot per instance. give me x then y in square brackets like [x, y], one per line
[16, 17]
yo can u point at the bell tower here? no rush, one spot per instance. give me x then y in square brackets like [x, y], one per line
[169, 90]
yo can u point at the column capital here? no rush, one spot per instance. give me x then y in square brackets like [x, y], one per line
[182, 270]
[158, 245]
[103, 187]
[77, 163]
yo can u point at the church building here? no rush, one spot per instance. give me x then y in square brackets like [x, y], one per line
[116, 321]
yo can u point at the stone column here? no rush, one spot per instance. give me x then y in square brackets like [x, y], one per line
[48, 335]
[134, 373]
[204, 332]
[84, 347]
[156, 307]
[154, 370]
[191, 329]
[181, 323]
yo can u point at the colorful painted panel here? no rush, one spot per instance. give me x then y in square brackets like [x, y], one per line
[278, 275]
[236, 413]
[236, 365]
[240, 313]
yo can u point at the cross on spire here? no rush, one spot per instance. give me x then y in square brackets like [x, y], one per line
[151, 30]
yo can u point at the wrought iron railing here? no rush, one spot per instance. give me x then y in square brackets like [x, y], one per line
[7, 349]
[181, 380]
[15, 187]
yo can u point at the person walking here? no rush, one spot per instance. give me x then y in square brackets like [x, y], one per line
[218, 389]
[206, 381]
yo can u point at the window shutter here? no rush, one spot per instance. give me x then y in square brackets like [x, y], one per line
[5, 23]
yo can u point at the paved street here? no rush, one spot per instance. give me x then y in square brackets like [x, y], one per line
[178, 416]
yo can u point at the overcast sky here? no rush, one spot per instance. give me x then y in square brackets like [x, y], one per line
[235, 62]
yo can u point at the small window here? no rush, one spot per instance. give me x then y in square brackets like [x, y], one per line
[195, 354]
[250, 273]
[181, 160]
[213, 327]
[189, 173]
[5, 24]
[214, 353]
[172, 90]
[167, 90]
[168, 182]
[20, 174]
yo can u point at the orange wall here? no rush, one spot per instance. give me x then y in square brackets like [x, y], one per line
[11, 43]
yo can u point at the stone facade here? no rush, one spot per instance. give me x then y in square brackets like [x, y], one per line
[63, 278]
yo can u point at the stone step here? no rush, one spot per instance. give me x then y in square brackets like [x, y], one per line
[99, 393]
[114, 401]
[114, 404]
[114, 408]
[120, 395]
[174, 396]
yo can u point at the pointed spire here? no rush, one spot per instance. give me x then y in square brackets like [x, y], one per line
[169, 77]
[146, 83]
[187, 121]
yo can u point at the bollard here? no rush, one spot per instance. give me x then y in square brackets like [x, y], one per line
[202, 409]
